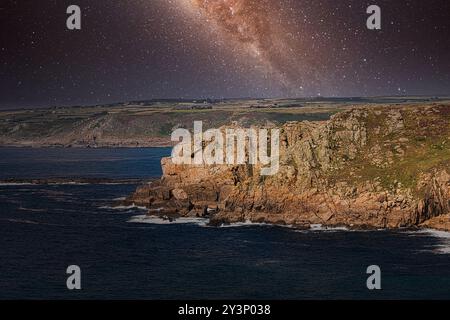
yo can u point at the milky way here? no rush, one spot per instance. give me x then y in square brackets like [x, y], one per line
[256, 27]
[155, 49]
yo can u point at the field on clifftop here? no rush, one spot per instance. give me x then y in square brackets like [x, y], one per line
[150, 123]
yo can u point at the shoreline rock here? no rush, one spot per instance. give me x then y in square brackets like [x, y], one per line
[370, 167]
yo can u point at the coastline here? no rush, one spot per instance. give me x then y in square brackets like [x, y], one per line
[138, 145]
[211, 222]
[205, 222]
[366, 168]
[321, 185]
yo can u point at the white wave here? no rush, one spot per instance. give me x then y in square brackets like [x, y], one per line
[32, 209]
[443, 237]
[203, 222]
[322, 228]
[71, 183]
[249, 223]
[107, 183]
[158, 220]
[119, 199]
[67, 183]
[319, 227]
[16, 184]
[133, 206]
[42, 184]
[21, 221]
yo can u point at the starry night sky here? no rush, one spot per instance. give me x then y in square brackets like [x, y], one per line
[150, 49]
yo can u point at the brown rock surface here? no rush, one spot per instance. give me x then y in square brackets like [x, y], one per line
[370, 167]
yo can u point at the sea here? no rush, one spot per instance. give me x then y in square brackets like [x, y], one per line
[61, 207]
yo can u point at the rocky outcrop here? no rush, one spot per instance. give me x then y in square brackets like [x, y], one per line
[370, 167]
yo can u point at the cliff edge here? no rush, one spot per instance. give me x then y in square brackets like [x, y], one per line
[369, 167]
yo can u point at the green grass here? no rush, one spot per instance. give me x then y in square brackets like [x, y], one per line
[427, 148]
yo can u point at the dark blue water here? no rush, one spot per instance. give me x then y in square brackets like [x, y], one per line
[89, 163]
[45, 228]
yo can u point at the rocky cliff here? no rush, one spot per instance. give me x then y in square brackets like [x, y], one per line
[369, 167]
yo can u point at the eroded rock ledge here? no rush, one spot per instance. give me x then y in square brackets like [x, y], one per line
[370, 167]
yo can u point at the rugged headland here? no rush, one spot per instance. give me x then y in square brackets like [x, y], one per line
[382, 166]
[150, 123]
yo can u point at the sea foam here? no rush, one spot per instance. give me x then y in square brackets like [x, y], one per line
[443, 238]
[133, 206]
[158, 220]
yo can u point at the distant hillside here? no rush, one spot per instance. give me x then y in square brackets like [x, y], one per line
[140, 126]
[150, 123]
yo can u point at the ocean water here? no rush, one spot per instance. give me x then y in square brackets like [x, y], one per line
[124, 255]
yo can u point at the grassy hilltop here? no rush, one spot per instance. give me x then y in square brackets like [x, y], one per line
[150, 123]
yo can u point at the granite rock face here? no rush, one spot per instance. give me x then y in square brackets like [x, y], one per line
[370, 167]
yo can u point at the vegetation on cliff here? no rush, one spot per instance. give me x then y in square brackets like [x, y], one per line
[382, 166]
